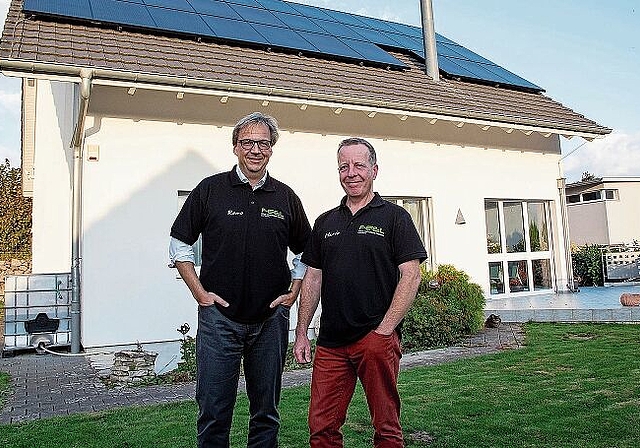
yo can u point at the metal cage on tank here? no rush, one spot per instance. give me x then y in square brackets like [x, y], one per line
[37, 312]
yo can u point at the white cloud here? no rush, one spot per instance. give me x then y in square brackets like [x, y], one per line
[618, 154]
[13, 154]
[10, 102]
[4, 7]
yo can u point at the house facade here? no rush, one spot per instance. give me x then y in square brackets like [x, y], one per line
[604, 210]
[119, 124]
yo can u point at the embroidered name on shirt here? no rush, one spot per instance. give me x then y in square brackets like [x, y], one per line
[330, 234]
[234, 213]
[370, 230]
[270, 213]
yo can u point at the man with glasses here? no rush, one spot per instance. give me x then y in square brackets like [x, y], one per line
[247, 220]
[364, 256]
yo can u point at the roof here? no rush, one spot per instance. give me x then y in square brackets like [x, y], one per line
[602, 181]
[58, 46]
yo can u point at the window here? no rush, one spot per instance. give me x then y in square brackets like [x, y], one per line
[538, 229]
[494, 242]
[197, 247]
[514, 226]
[573, 199]
[608, 195]
[611, 195]
[591, 196]
[518, 246]
[418, 208]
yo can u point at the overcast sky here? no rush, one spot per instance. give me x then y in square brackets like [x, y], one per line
[584, 53]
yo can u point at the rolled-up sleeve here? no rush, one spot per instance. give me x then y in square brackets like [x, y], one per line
[180, 251]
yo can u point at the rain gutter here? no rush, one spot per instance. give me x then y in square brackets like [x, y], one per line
[238, 90]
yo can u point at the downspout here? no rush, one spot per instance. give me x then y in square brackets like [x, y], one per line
[429, 39]
[76, 210]
[562, 191]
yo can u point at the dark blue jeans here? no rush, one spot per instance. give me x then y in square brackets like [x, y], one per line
[220, 345]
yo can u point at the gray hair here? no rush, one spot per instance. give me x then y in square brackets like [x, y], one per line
[359, 141]
[253, 119]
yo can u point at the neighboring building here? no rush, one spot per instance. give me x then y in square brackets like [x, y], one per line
[131, 115]
[604, 210]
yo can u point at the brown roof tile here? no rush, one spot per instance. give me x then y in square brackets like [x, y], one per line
[115, 51]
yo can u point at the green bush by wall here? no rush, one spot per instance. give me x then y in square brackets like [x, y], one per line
[447, 308]
[587, 264]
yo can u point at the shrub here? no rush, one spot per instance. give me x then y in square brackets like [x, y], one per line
[587, 264]
[447, 308]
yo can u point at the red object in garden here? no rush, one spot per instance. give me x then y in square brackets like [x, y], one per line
[630, 299]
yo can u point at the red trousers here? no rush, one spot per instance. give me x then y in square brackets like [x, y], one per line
[375, 360]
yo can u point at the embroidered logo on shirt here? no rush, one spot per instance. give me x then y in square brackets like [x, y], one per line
[370, 230]
[271, 213]
[234, 213]
[330, 234]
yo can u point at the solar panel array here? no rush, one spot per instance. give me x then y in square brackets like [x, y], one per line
[285, 25]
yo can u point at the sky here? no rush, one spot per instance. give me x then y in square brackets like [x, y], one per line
[584, 53]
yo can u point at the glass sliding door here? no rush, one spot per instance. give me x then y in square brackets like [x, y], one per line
[518, 246]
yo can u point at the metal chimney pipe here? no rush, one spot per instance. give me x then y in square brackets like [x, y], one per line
[429, 37]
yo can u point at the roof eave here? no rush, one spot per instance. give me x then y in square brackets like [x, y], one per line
[26, 68]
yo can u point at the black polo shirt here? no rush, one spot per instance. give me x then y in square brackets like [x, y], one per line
[359, 256]
[245, 236]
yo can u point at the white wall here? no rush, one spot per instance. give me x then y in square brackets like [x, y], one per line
[146, 156]
[53, 164]
[624, 226]
[588, 223]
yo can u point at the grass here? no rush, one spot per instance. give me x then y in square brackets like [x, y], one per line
[4, 388]
[571, 386]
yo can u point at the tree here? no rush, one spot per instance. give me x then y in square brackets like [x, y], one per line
[15, 214]
[588, 176]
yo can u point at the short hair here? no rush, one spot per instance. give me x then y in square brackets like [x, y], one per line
[256, 118]
[360, 141]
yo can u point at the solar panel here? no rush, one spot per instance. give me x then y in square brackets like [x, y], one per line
[79, 9]
[178, 5]
[337, 29]
[218, 9]
[284, 37]
[256, 15]
[122, 12]
[234, 30]
[253, 3]
[298, 22]
[330, 45]
[286, 25]
[310, 11]
[277, 5]
[179, 21]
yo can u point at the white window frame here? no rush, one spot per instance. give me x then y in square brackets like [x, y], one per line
[505, 257]
[424, 226]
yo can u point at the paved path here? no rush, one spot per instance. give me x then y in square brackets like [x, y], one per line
[47, 385]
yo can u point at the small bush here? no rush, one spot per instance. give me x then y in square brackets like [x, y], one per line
[187, 367]
[447, 308]
[587, 264]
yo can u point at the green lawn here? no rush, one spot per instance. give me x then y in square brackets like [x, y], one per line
[4, 388]
[571, 386]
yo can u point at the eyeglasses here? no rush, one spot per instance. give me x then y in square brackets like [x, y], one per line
[247, 144]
